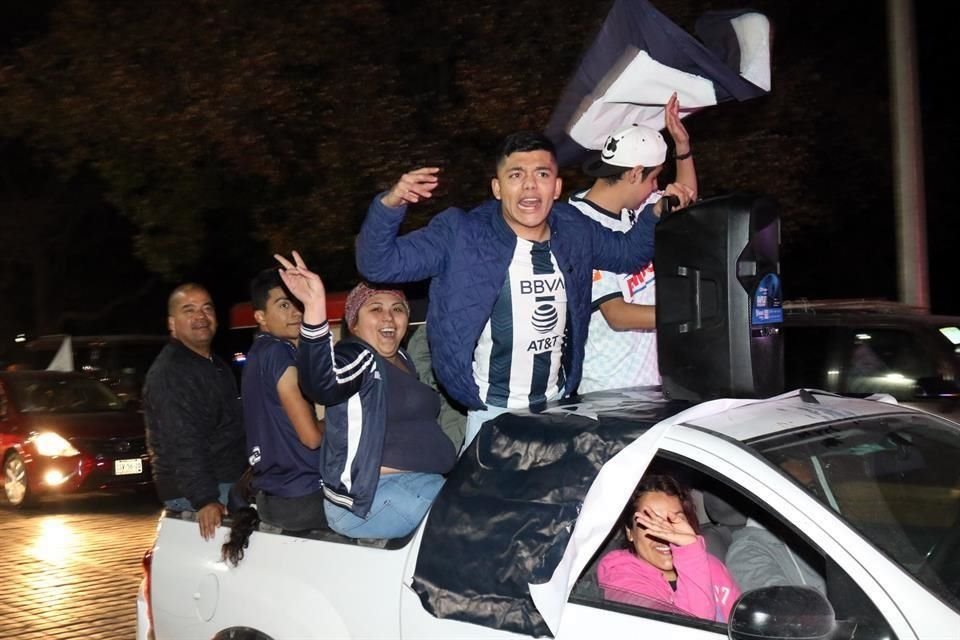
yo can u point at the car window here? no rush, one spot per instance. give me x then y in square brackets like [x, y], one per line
[809, 359]
[120, 362]
[893, 478]
[75, 394]
[757, 547]
[887, 361]
[122, 367]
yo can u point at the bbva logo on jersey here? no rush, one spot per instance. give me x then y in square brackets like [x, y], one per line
[539, 286]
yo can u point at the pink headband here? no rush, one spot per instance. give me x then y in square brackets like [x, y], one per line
[359, 295]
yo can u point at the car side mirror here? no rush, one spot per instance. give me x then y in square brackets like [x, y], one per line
[782, 613]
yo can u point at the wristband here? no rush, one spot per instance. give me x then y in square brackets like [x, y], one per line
[682, 156]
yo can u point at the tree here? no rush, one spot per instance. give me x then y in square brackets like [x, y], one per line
[54, 271]
[216, 120]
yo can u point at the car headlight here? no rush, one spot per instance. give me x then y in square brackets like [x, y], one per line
[52, 444]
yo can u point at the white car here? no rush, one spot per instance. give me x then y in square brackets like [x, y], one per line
[511, 545]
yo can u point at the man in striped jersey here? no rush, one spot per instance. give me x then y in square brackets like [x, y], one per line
[621, 348]
[510, 279]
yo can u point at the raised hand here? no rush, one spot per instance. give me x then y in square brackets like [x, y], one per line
[306, 286]
[673, 528]
[413, 187]
[681, 139]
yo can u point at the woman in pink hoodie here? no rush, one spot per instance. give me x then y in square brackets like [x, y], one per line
[666, 561]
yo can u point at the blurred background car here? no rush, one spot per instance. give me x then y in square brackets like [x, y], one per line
[64, 432]
[119, 360]
[861, 347]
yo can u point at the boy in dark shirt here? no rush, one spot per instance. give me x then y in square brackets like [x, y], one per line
[283, 433]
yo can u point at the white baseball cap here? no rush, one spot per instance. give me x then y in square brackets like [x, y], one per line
[635, 146]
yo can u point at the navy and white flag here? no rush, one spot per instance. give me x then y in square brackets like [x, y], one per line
[640, 58]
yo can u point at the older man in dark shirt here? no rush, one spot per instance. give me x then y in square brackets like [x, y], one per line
[193, 413]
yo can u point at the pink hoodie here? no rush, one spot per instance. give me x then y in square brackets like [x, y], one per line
[705, 588]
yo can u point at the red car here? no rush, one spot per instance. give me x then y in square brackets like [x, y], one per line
[64, 433]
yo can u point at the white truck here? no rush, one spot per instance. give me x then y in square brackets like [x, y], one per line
[511, 544]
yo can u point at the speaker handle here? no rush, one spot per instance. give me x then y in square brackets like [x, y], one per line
[669, 203]
[694, 275]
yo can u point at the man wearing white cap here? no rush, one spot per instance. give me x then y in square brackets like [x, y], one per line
[621, 349]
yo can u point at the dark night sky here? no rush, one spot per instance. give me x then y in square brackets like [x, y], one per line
[938, 66]
[853, 256]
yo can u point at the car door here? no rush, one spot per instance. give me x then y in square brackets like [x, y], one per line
[898, 602]
[7, 423]
[870, 582]
[587, 614]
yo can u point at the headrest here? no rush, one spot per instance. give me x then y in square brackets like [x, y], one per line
[722, 512]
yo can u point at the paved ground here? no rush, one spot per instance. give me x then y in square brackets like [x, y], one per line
[70, 569]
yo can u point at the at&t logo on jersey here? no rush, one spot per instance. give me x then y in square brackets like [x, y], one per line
[545, 318]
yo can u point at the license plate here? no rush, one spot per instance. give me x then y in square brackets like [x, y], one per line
[128, 467]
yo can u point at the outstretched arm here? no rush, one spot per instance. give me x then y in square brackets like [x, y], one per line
[412, 187]
[382, 256]
[619, 252]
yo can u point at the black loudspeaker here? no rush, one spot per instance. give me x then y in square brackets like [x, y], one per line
[719, 311]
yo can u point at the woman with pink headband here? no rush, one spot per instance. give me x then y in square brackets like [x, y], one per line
[384, 453]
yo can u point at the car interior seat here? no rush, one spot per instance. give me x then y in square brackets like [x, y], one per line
[725, 518]
[587, 586]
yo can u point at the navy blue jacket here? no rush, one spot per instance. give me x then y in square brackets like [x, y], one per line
[350, 381]
[467, 256]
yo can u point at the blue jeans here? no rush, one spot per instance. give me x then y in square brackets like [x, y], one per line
[475, 420]
[182, 504]
[401, 501]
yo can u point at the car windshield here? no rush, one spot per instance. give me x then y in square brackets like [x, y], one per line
[49, 394]
[895, 479]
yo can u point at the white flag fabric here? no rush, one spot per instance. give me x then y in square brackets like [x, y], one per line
[640, 58]
[63, 360]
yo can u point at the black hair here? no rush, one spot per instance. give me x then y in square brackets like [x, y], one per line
[261, 285]
[245, 522]
[661, 483]
[617, 177]
[245, 518]
[523, 141]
